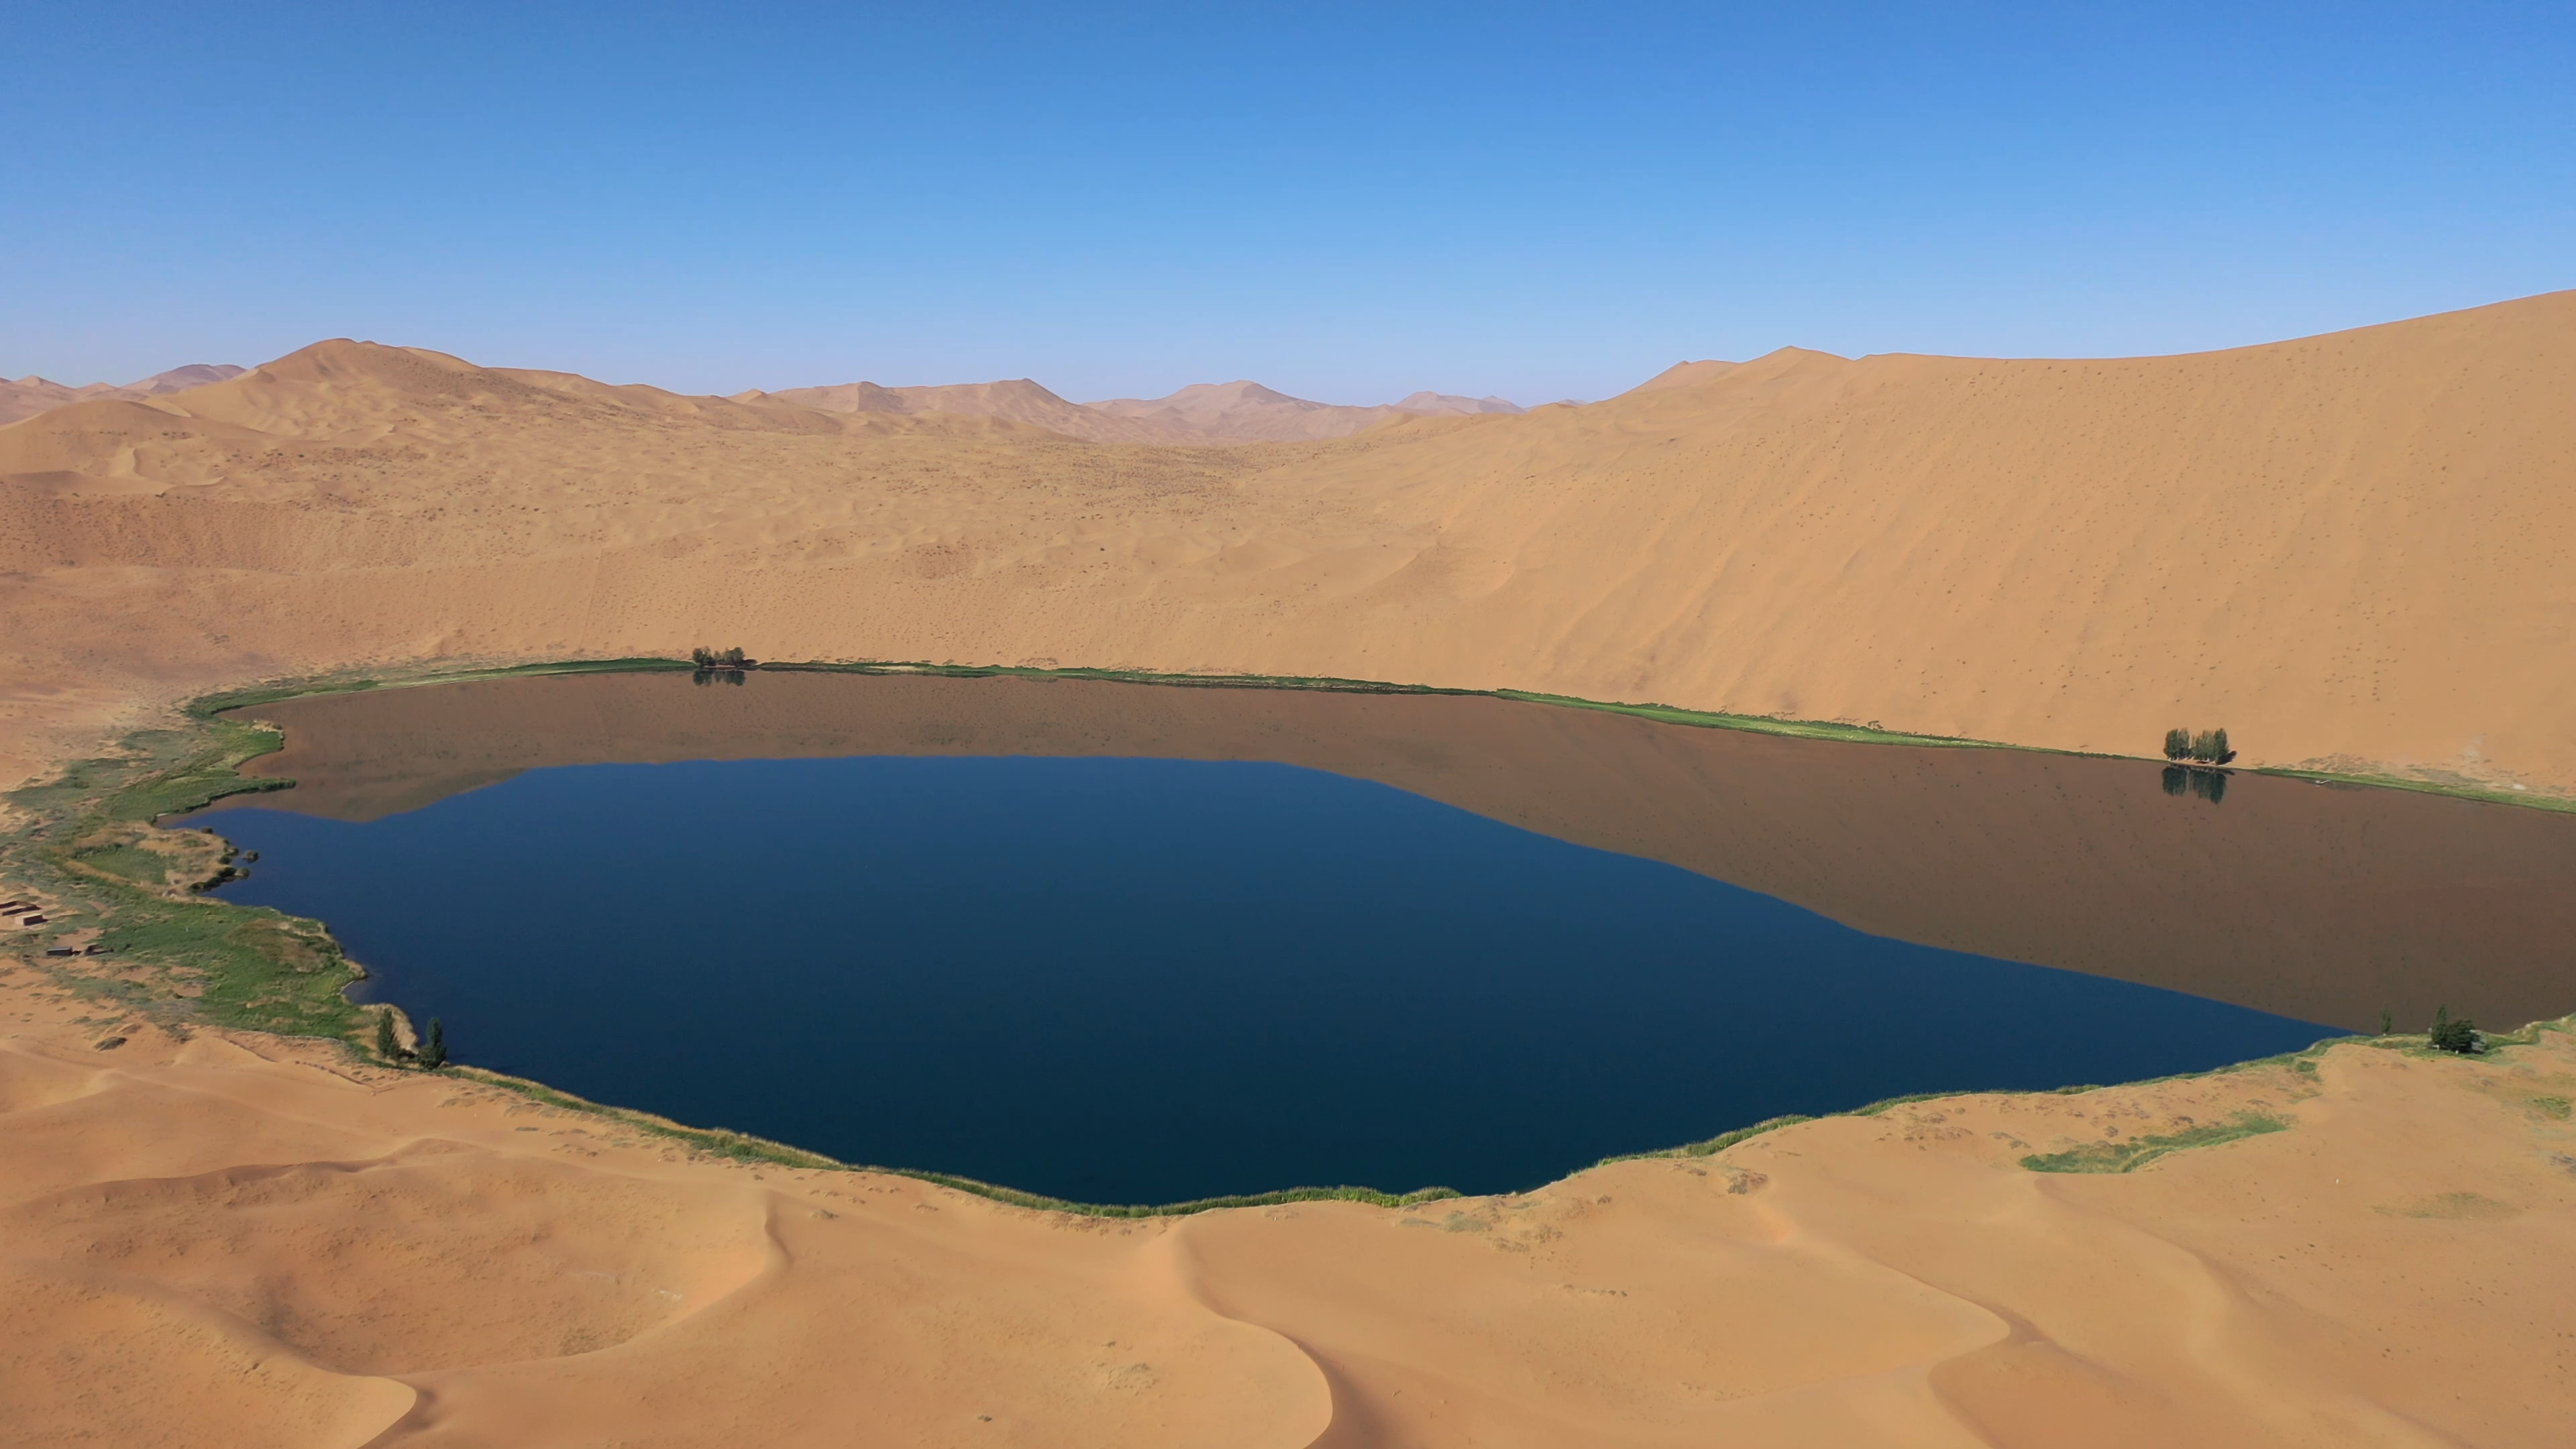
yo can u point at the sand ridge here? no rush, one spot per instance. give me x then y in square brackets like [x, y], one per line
[31, 395]
[242, 1239]
[2353, 550]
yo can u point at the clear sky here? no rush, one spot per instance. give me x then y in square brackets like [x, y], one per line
[1345, 202]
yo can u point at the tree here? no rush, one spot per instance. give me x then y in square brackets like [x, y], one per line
[433, 1050]
[733, 658]
[386, 1046]
[702, 656]
[2219, 753]
[2453, 1036]
[2177, 744]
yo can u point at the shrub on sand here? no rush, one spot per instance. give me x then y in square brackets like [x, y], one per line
[2453, 1034]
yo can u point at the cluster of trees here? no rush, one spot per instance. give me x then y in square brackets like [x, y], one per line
[2452, 1034]
[715, 664]
[2207, 747]
[433, 1046]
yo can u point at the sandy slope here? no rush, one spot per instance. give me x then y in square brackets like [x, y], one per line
[242, 1240]
[2357, 549]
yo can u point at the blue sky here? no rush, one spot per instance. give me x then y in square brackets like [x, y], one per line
[1346, 202]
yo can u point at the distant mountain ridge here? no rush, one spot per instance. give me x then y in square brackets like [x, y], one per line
[1019, 400]
[1438, 404]
[1199, 415]
[31, 395]
[1203, 413]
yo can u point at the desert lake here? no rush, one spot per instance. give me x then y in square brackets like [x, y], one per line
[1128, 943]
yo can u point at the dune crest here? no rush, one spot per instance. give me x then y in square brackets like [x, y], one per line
[31, 395]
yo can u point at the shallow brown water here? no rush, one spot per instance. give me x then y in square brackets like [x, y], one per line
[2321, 903]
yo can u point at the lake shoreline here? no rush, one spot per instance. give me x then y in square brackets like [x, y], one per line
[1834, 730]
[189, 782]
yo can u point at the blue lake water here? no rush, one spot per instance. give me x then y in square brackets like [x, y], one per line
[1149, 980]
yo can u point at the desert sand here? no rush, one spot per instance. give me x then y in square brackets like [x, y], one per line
[244, 1240]
[2355, 551]
[31, 395]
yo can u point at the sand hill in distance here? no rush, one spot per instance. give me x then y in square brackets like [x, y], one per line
[1248, 412]
[1205, 413]
[2355, 551]
[31, 395]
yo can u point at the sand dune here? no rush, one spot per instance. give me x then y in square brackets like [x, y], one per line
[1208, 413]
[1249, 412]
[29, 396]
[1441, 404]
[1021, 401]
[242, 1240]
[2353, 550]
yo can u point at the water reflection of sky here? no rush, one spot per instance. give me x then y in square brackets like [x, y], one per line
[1148, 980]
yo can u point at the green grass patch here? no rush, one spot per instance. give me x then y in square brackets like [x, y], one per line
[1834, 730]
[1763, 724]
[259, 970]
[1115, 676]
[1886, 1103]
[2137, 1152]
[213, 705]
[205, 770]
[2534, 799]
[127, 862]
[242, 967]
[1710, 1147]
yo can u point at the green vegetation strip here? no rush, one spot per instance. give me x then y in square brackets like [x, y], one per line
[172, 958]
[2490, 795]
[2137, 1152]
[1835, 730]
[87, 848]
